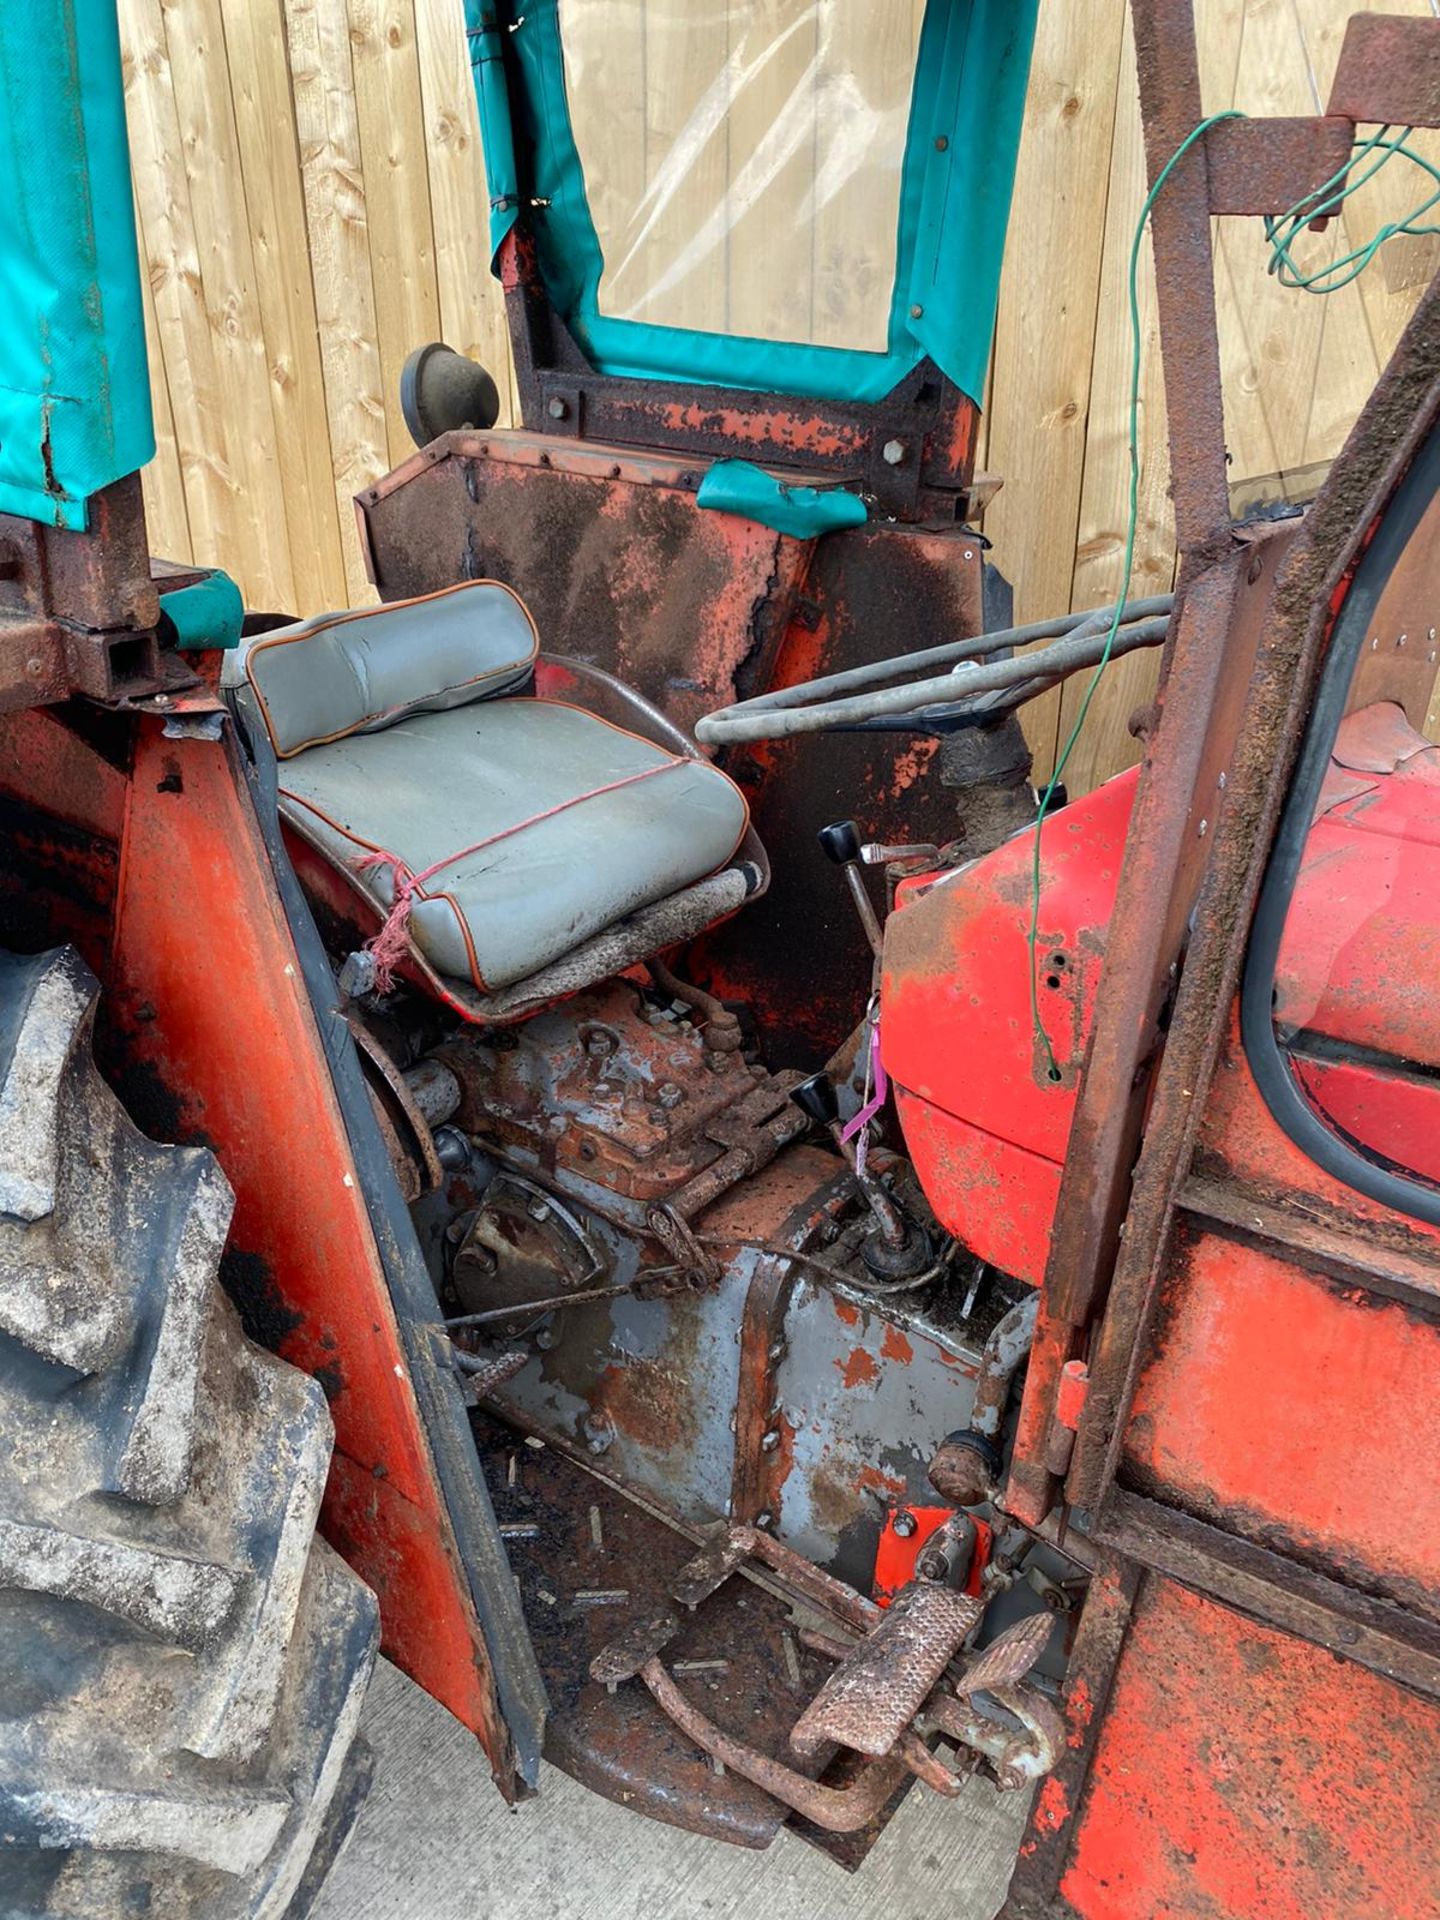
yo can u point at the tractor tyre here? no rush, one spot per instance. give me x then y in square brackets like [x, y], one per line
[182, 1661]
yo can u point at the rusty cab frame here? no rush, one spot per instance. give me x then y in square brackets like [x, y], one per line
[1190, 1606]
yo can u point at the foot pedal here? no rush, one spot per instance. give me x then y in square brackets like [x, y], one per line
[873, 1695]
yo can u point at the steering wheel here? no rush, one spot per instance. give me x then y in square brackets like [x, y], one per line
[985, 679]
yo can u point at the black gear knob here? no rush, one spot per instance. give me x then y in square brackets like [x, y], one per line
[815, 1098]
[840, 841]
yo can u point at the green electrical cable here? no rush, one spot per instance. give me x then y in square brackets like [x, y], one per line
[1324, 201]
[1052, 1067]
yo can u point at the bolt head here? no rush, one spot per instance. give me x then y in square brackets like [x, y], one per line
[893, 452]
[557, 408]
[669, 1095]
[905, 1525]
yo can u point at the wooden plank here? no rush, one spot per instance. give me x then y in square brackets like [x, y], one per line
[678, 246]
[1105, 744]
[391, 123]
[171, 266]
[773, 46]
[1315, 351]
[606, 51]
[1404, 266]
[259, 77]
[1049, 305]
[335, 212]
[472, 306]
[866, 67]
[211, 155]
[167, 518]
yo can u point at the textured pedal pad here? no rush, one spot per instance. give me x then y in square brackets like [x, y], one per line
[874, 1694]
[1009, 1656]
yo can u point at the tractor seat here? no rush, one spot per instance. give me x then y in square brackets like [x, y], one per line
[513, 848]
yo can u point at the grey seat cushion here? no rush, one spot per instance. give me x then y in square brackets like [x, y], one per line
[546, 823]
[361, 671]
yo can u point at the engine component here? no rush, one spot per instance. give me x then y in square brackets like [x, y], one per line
[523, 1244]
[967, 1461]
[620, 1103]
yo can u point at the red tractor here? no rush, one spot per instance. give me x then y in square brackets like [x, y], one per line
[760, 1323]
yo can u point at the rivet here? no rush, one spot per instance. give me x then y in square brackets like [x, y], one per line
[941, 143]
[1204, 828]
[917, 313]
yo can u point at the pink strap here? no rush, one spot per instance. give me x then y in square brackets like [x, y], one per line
[879, 1081]
[392, 942]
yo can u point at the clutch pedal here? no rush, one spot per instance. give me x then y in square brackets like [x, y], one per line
[886, 1699]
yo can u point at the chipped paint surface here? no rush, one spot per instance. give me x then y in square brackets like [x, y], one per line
[866, 1401]
[1285, 1784]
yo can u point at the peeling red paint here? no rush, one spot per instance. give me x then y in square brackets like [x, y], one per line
[1052, 1807]
[860, 1369]
[894, 1346]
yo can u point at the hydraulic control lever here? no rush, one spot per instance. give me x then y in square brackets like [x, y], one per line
[815, 1098]
[840, 842]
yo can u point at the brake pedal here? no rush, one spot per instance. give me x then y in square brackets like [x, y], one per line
[877, 1690]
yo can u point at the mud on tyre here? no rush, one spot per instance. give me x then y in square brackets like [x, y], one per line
[182, 1661]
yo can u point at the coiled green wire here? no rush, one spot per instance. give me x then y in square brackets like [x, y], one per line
[1281, 234]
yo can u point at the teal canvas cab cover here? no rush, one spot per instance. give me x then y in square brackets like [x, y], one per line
[799, 196]
[74, 394]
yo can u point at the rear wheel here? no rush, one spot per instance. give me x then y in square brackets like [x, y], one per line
[182, 1661]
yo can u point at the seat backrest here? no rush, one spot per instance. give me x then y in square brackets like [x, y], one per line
[359, 671]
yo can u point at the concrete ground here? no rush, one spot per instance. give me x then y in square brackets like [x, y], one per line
[436, 1842]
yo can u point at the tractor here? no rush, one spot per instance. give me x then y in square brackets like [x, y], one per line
[588, 1124]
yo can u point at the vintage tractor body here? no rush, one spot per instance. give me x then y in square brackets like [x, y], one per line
[781, 1343]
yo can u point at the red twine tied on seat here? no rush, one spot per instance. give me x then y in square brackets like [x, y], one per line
[389, 946]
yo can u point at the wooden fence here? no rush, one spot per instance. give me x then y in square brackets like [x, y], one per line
[311, 202]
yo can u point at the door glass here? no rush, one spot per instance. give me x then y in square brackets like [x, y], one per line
[742, 161]
[1357, 983]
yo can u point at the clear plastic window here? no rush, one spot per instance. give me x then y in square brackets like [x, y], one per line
[1358, 972]
[742, 161]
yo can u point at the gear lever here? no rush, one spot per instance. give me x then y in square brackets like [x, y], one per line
[815, 1097]
[840, 841]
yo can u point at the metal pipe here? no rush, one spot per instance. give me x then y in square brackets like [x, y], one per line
[1009, 1343]
[763, 719]
[722, 1029]
[974, 647]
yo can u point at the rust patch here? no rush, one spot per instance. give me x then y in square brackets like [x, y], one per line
[649, 1402]
[894, 1346]
[860, 1369]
